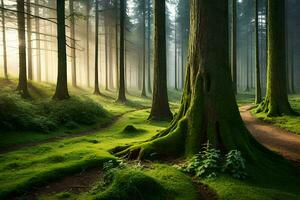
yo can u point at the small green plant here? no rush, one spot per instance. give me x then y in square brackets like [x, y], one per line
[205, 164]
[235, 164]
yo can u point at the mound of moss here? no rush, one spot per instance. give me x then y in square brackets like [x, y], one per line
[130, 184]
[44, 115]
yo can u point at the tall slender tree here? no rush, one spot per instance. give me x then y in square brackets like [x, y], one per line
[29, 43]
[96, 87]
[22, 86]
[4, 40]
[149, 45]
[258, 96]
[61, 91]
[88, 9]
[121, 89]
[73, 42]
[276, 101]
[160, 106]
[144, 93]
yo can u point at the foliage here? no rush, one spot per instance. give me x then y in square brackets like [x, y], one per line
[208, 163]
[235, 164]
[18, 114]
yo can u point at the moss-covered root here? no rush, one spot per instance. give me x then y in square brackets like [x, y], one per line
[273, 109]
[170, 145]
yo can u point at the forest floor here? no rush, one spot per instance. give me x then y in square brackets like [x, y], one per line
[70, 166]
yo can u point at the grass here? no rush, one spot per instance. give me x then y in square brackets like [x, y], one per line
[290, 123]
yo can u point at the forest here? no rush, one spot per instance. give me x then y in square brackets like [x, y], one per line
[149, 100]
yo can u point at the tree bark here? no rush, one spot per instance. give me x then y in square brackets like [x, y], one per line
[149, 45]
[4, 41]
[121, 91]
[73, 42]
[144, 93]
[160, 106]
[276, 102]
[88, 8]
[29, 39]
[258, 96]
[176, 55]
[22, 86]
[96, 87]
[61, 92]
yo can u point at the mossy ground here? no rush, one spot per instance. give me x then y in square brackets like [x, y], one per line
[290, 123]
[34, 166]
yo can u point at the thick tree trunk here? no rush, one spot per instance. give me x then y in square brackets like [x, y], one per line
[96, 87]
[73, 43]
[276, 101]
[160, 106]
[258, 96]
[4, 41]
[209, 111]
[22, 86]
[38, 41]
[61, 92]
[121, 91]
[144, 93]
[88, 8]
[29, 39]
[233, 46]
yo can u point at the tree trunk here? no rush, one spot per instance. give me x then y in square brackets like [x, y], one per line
[144, 93]
[233, 46]
[209, 111]
[73, 42]
[4, 41]
[88, 8]
[176, 59]
[22, 86]
[292, 65]
[121, 91]
[117, 43]
[258, 97]
[61, 92]
[106, 24]
[38, 41]
[276, 102]
[96, 89]
[160, 105]
[149, 45]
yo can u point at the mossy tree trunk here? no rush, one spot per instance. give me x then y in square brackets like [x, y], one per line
[122, 91]
[276, 102]
[160, 104]
[4, 41]
[61, 92]
[208, 110]
[258, 96]
[96, 87]
[22, 86]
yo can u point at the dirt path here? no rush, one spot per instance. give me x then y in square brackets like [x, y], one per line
[279, 140]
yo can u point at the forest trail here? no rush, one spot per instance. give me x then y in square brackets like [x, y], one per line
[277, 139]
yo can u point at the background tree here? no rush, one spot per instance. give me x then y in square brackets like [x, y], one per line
[258, 95]
[276, 101]
[160, 106]
[61, 91]
[96, 89]
[4, 40]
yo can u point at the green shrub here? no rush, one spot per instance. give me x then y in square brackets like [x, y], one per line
[235, 164]
[18, 114]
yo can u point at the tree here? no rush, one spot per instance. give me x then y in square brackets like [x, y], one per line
[258, 97]
[233, 46]
[73, 42]
[29, 44]
[149, 44]
[4, 41]
[209, 111]
[121, 89]
[88, 9]
[276, 101]
[160, 106]
[144, 93]
[22, 86]
[96, 89]
[61, 92]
